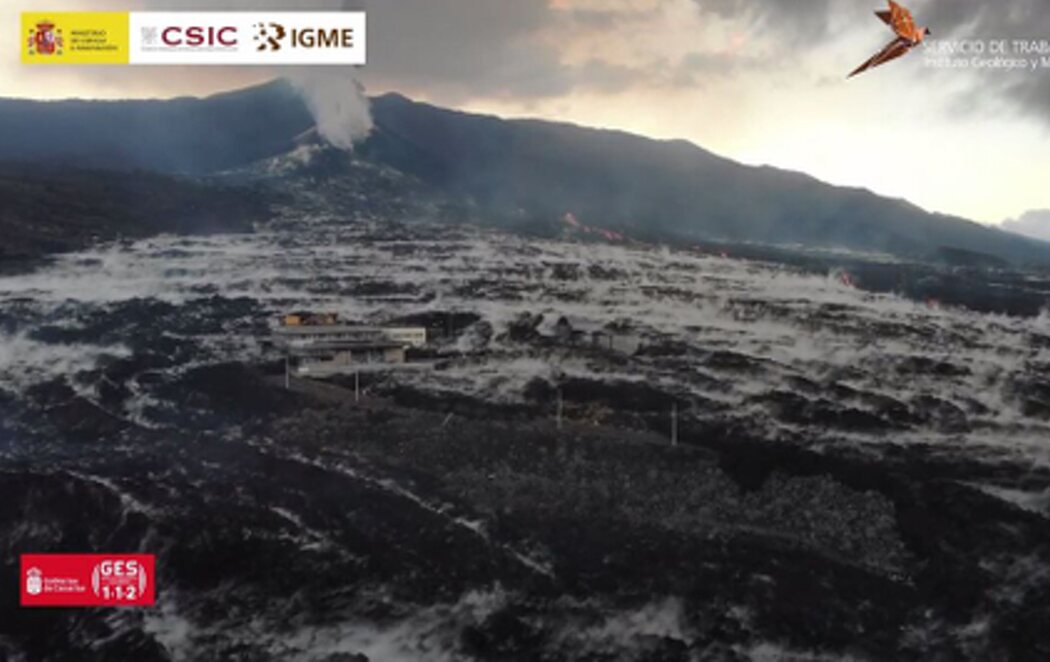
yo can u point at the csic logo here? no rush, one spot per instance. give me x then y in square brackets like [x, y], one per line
[191, 37]
[45, 39]
[34, 581]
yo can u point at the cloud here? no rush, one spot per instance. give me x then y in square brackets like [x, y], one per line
[1034, 224]
[464, 48]
[458, 50]
[794, 20]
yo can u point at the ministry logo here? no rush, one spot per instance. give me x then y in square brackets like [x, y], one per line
[45, 39]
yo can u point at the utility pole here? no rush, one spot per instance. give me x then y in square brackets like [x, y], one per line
[674, 424]
[357, 386]
[287, 374]
[561, 407]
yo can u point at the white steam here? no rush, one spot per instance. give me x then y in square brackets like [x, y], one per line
[337, 102]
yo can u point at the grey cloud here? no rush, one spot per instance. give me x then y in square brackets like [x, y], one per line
[606, 77]
[604, 19]
[464, 48]
[792, 20]
[1035, 224]
[458, 49]
[719, 63]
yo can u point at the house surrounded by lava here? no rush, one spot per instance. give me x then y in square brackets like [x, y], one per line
[320, 344]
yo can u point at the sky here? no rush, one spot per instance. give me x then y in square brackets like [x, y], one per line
[759, 81]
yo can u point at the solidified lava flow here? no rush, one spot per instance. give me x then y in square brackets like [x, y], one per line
[858, 476]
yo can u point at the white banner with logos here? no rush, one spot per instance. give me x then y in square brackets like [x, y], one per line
[247, 38]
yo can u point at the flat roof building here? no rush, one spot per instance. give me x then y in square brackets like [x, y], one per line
[319, 344]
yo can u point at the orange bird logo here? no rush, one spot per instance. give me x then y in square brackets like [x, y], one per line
[908, 34]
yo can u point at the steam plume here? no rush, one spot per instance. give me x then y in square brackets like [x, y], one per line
[337, 102]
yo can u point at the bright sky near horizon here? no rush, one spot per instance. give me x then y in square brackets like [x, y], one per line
[759, 81]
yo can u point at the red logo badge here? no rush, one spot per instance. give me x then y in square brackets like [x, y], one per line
[88, 580]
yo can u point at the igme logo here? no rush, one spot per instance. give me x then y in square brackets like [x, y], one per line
[270, 36]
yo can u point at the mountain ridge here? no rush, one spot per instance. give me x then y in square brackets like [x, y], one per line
[740, 202]
[517, 170]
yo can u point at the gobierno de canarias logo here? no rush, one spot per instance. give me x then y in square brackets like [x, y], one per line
[34, 581]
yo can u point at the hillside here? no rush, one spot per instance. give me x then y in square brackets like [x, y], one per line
[659, 188]
[185, 135]
[516, 171]
[48, 209]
